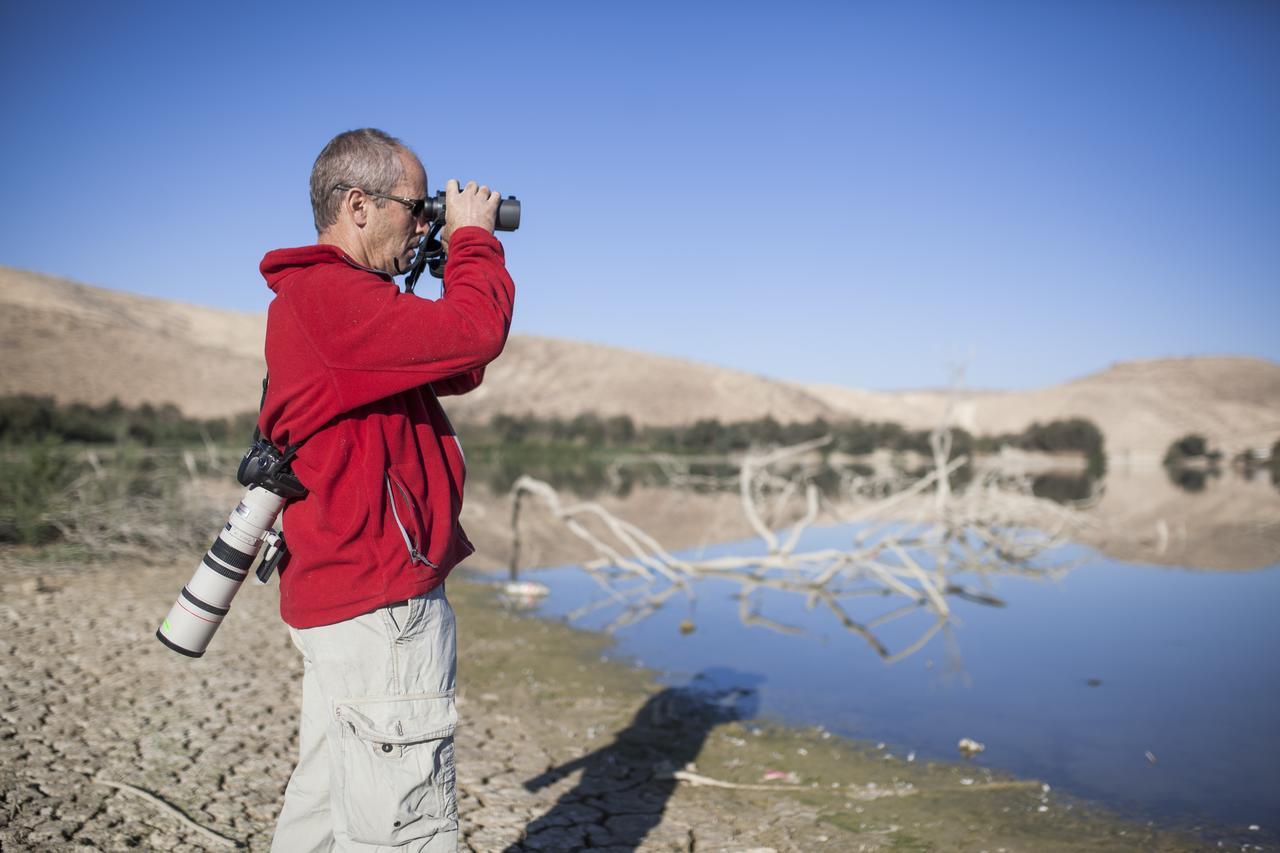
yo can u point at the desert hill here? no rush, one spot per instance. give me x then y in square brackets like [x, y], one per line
[549, 377]
[1141, 406]
[77, 342]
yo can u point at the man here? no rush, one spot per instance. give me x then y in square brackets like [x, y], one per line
[354, 368]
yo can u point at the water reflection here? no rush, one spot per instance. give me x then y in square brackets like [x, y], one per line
[1192, 479]
[911, 577]
[939, 543]
[1066, 488]
[1195, 478]
[1191, 464]
[1073, 682]
[591, 475]
[1137, 515]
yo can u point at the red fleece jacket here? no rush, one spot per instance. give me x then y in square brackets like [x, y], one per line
[355, 366]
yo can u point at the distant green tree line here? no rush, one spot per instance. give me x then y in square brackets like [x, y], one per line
[30, 418]
[1070, 435]
[708, 435]
[1191, 446]
[857, 437]
[27, 417]
[1191, 462]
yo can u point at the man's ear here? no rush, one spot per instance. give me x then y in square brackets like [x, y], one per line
[356, 203]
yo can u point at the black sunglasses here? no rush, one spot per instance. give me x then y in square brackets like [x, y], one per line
[417, 206]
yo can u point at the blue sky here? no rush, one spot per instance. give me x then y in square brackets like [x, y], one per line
[858, 193]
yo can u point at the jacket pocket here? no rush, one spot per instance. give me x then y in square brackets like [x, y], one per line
[408, 517]
[397, 774]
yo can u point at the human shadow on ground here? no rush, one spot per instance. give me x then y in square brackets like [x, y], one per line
[625, 785]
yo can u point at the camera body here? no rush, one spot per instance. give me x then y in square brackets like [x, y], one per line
[267, 468]
[206, 599]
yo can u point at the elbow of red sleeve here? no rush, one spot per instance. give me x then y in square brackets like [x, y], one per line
[490, 343]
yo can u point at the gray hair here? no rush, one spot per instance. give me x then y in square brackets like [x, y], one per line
[367, 158]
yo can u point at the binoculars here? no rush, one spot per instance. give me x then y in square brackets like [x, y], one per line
[431, 254]
[508, 218]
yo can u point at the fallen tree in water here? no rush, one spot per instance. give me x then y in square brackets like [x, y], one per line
[917, 542]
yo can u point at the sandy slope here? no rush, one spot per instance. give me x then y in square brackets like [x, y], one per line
[548, 377]
[75, 342]
[1141, 406]
[84, 343]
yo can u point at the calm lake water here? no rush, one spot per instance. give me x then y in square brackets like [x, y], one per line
[1073, 682]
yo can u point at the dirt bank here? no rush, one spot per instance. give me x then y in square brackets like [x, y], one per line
[89, 697]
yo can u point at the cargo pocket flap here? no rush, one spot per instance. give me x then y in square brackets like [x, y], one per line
[396, 772]
[407, 719]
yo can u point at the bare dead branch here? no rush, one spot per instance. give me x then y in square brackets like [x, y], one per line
[906, 544]
[170, 810]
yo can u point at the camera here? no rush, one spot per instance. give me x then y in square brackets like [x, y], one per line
[206, 599]
[266, 467]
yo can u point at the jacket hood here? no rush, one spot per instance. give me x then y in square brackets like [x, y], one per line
[278, 264]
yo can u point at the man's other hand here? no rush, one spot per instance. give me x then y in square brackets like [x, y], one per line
[470, 205]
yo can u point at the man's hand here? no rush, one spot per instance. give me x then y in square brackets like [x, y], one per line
[470, 205]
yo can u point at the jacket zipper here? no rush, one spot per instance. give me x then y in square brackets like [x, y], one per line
[415, 556]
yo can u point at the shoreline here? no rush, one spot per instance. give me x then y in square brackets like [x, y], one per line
[90, 698]
[850, 783]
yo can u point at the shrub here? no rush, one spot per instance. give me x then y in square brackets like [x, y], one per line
[100, 500]
[30, 481]
[30, 418]
[1191, 446]
[853, 437]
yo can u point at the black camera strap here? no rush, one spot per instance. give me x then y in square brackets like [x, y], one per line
[431, 257]
[266, 466]
[257, 430]
[291, 450]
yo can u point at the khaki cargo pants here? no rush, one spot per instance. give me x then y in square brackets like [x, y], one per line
[375, 754]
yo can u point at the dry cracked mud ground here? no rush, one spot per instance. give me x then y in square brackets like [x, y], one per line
[558, 749]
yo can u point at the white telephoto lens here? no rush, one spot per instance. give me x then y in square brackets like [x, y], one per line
[205, 600]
